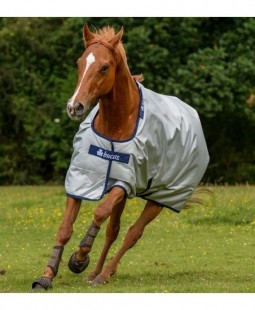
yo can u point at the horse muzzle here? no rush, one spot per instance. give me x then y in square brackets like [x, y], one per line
[76, 111]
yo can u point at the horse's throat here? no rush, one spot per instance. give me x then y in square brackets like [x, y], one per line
[117, 120]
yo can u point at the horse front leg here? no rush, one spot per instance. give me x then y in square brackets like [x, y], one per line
[112, 231]
[79, 260]
[134, 233]
[63, 236]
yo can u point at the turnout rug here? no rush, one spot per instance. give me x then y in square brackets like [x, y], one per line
[163, 161]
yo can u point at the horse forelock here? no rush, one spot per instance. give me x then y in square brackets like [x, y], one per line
[104, 35]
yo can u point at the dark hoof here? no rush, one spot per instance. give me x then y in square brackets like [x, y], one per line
[77, 266]
[44, 283]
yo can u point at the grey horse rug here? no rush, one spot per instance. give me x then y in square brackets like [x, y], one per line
[163, 161]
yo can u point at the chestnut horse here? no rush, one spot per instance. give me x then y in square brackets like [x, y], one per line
[104, 78]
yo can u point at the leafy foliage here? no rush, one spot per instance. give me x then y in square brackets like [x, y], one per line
[207, 62]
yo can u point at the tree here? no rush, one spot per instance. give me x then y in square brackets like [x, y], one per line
[206, 62]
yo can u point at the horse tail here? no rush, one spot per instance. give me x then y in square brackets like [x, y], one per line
[198, 200]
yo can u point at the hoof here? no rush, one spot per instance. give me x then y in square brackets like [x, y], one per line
[99, 280]
[90, 278]
[76, 266]
[43, 283]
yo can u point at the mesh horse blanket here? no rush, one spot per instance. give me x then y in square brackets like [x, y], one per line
[163, 161]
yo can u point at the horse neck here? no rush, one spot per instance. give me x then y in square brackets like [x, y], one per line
[118, 110]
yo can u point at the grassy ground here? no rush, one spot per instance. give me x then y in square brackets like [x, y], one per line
[204, 249]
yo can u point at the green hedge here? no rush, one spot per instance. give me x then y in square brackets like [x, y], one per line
[207, 62]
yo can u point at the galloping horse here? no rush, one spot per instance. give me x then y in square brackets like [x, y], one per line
[134, 143]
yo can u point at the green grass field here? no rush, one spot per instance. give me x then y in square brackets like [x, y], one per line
[206, 248]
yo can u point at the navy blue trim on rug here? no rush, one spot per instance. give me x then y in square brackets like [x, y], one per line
[108, 173]
[161, 205]
[81, 197]
[142, 193]
[141, 111]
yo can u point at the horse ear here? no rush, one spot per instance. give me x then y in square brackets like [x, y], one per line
[117, 38]
[87, 34]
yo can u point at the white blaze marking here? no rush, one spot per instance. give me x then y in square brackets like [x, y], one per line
[90, 59]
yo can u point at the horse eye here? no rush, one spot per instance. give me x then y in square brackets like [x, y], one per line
[104, 69]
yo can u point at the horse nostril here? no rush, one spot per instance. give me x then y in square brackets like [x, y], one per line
[79, 109]
[69, 109]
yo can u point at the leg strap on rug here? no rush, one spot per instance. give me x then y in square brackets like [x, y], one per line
[90, 236]
[55, 258]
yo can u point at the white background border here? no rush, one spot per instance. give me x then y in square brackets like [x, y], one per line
[133, 8]
[142, 301]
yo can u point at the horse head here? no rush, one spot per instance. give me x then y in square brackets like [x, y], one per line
[96, 70]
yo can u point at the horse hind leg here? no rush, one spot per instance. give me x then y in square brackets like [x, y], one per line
[63, 236]
[134, 233]
[112, 232]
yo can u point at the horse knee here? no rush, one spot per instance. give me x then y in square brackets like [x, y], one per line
[64, 234]
[101, 213]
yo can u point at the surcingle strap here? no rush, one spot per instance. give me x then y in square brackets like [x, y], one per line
[55, 258]
[90, 236]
